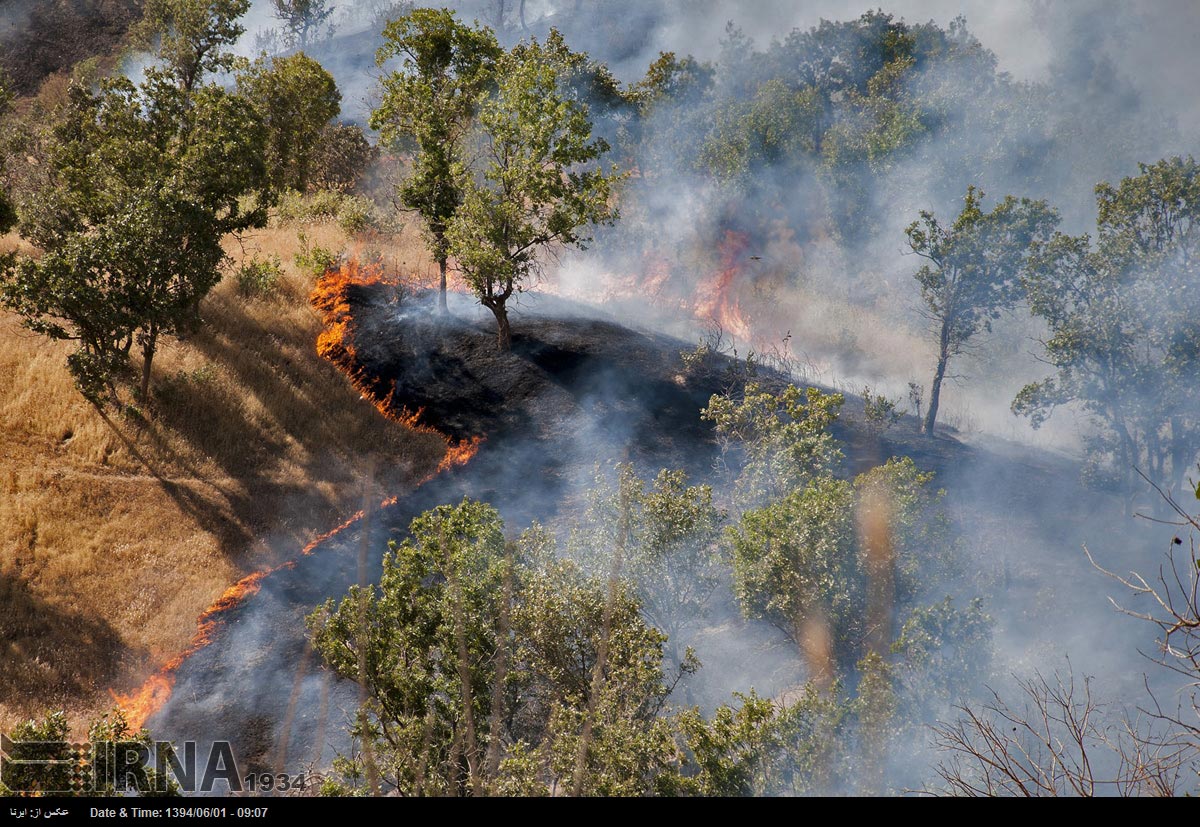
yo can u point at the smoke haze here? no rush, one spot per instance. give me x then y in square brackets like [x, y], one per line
[1082, 93]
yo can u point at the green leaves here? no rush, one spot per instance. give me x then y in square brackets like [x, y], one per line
[480, 660]
[784, 436]
[1122, 316]
[973, 271]
[809, 547]
[668, 535]
[296, 99]
[142, 183]
[428, 104]
[190, 37]
[539, 184]
[794, 562]
[974, 266]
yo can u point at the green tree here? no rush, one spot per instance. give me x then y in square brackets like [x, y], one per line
[341, 158]
[540, 184]
[778, 440]
[795, 564]
[190, 38]
[49, 739]
[302, 18]
[814, 554]
[143, 183]
[1124, 337]
[428, 103]
[973, 271]
[498, 668]
[669, 537]
[296, 99]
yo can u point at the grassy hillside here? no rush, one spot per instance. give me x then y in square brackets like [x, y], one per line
[117, 531]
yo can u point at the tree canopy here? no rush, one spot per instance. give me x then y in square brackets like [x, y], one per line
[296, 99]
[540, 185]
[190, 38]
[428, 103]
[498, 668]
[972, 271]
[143, 183]
[1122, 313]
[302, 18]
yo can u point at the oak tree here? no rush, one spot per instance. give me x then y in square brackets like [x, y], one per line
[296, 99]
[1122, 313]
[302, 18]
[427, 105]
[191, 38]
[143, 182]
[540, 183]
[972, 271]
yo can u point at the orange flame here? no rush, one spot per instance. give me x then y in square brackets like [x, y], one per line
[715, 298]
[150, 697]
[718, 295]
[330, 298]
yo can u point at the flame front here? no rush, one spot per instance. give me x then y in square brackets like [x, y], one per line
[138, 706]
[331, 299]
[715, 296]
[718, 295]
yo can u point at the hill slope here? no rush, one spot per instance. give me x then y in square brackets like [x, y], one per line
[116, 533]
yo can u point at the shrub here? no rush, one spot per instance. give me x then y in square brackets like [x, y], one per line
[260, 277]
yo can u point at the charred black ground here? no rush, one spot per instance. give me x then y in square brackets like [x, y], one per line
[575, 391]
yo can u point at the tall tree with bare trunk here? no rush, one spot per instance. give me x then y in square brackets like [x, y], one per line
[428, 103]
[971, 272]
[540, 183]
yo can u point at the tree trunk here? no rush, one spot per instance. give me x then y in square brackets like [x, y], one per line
[1179, 454]
[148, 348]
[935, 390]
[503, 331]
[442, 287]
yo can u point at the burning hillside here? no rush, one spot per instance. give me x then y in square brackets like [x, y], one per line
[573, 392]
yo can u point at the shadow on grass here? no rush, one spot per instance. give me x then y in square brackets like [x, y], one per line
[51, 656]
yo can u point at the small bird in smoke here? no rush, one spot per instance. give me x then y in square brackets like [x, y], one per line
[756, 258]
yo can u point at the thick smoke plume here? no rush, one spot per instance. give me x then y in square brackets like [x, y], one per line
[1081, 93]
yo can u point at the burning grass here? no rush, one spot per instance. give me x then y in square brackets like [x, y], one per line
[330, 298]
[115, 536]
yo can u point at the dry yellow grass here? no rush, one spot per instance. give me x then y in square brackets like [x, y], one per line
[116, 533]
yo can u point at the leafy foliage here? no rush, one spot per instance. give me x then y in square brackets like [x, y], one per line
[1122, 316]
[946, 653]
[49, 740]
[427, 105]
[879, 412]
[826, 560]
[972, 271]
[260, 276]
[780, 440]
[144, 183]
[189, 38]
[540, 185]
[296, 100]
[668, 537]
[494, 667]
[302, 18]
[341, 158]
